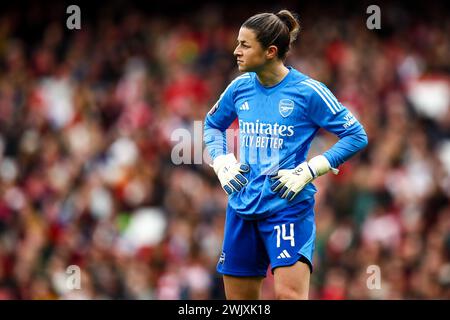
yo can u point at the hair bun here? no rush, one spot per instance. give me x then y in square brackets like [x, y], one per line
[291, 21]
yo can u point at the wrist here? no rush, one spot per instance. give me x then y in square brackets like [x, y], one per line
[222, 160]
[320, 165]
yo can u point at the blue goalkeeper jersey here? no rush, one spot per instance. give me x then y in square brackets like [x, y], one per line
[276, 127]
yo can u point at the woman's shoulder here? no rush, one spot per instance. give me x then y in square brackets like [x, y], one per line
[243, 78]
[240, 81]
[306, 84]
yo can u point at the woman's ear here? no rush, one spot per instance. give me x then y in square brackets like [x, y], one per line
[272, 52]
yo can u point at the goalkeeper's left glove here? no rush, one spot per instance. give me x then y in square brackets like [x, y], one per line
[292, 181]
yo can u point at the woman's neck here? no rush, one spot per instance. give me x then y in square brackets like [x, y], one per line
[271, 76]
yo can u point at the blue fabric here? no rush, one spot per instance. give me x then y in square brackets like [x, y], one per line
[281, 239]
[276, 127]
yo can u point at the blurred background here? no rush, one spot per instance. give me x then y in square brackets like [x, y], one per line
[87, 176]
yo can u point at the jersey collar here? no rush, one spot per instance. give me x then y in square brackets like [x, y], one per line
[270, 89]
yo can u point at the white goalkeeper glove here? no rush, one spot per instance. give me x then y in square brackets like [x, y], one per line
[292, 181]
[228, 170]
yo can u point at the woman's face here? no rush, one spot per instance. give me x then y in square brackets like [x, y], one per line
[249, 54]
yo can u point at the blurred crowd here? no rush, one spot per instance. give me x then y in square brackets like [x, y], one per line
[88, 170]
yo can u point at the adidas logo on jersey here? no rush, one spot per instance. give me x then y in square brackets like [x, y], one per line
[245, 106]
[284, 254]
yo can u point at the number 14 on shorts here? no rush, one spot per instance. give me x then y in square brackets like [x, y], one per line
[281, 234]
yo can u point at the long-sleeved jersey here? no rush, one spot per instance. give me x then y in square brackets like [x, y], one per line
[276, 127]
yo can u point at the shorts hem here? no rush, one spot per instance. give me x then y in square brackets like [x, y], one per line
[242, 273]
[287, 263]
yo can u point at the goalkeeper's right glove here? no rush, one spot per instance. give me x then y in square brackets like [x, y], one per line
[292, 181]
[228, 170]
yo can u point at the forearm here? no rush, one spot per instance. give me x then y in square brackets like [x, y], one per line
[346, 147]
[215, 139]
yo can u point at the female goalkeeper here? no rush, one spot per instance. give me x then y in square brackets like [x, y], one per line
[270, 212]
